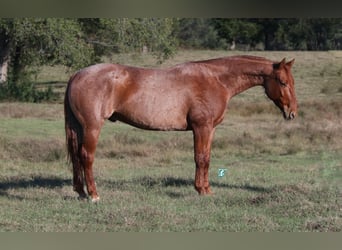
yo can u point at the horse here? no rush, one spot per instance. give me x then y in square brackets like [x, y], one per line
[188, 96]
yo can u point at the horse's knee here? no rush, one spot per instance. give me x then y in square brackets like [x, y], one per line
[202, 160]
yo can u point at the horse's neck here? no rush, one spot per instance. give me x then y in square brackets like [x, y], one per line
[237, 79]
[240, 83]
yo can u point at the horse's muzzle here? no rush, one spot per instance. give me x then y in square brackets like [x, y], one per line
[290, 115]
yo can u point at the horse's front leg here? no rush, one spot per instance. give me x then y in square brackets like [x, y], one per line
[203, 137]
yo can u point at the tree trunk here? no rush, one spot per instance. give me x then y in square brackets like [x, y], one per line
[4, 58]
[16, 65]
[4, 64]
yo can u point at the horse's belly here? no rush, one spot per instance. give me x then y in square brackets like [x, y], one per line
[155, 121]
[151, 114]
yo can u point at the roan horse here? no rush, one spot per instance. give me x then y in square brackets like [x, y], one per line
[190, 96]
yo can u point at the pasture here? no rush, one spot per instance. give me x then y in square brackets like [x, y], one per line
[280, 175]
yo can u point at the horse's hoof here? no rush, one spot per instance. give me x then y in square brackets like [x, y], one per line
[204, 191]
[208, 191]
[95, 199]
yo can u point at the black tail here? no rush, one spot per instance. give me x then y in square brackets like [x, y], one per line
[74, 135]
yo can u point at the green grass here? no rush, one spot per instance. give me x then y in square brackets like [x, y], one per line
[281, 176]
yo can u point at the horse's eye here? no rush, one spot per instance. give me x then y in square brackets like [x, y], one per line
[283, 84]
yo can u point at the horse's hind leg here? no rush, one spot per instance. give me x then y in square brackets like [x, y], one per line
[90, 138]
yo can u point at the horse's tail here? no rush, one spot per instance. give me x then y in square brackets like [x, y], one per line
[74, 135]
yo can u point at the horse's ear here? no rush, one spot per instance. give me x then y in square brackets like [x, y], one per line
[279, 65]
[290, 63]
[282, 63]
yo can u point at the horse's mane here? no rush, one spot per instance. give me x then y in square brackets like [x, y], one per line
[222, 60]
[188, 67]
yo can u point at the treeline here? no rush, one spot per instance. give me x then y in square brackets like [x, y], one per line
[28, 43]
[261, 34]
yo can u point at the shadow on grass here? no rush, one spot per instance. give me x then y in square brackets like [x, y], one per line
[177, 182]
[152, 182]
[145, 181]
[34, 182]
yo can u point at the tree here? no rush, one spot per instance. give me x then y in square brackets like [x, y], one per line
[30, 42]
[138, 35]
[242, 31]
[268, 29]
[199, 33]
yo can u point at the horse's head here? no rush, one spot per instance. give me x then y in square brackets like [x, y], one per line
[279, 87]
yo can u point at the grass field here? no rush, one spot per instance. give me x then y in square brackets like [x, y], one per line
[280, 176]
